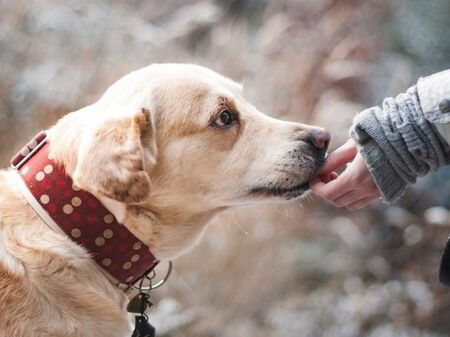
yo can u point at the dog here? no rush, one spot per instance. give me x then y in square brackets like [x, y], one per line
[165, 149]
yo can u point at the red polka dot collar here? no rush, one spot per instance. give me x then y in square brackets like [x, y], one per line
[79, 214]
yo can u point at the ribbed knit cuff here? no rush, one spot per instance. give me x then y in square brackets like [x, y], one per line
[376, 148]
[398, 144]
[389, 183]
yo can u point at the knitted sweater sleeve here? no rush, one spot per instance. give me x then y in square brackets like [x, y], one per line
[399, 143]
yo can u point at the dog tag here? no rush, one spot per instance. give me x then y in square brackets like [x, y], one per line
[139, 303]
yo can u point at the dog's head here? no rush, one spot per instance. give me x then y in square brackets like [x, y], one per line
[181, 142]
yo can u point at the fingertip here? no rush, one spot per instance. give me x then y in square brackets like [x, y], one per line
[339, 157]
[326, 178]
[333, 175]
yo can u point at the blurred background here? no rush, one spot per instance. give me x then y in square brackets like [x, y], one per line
[297, 269]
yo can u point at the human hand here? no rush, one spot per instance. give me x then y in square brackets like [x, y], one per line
[354, 188]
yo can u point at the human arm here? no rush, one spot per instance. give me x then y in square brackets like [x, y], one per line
[403, 139]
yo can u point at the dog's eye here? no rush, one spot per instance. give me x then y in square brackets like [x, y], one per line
[225, 118]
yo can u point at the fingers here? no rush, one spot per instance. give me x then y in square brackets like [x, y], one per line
[329, 177]
[354, 188]
[361, 203]
[329, 190]
[347, 198]
[352, 200]
[339, 157]
[354, 196]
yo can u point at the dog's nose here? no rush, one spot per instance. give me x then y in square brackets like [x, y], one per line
[320, 138]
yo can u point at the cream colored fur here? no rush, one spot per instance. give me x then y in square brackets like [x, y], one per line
[150, 151]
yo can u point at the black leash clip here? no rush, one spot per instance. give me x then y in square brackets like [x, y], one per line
[139, 304]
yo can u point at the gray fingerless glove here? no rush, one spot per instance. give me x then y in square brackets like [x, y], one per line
[398, 143]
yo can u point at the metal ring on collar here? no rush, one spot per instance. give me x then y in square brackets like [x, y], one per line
[158, 284]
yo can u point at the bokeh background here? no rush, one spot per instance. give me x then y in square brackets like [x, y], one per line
[297, 269]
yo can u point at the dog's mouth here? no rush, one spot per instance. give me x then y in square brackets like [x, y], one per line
[289, 192]
[284, 192]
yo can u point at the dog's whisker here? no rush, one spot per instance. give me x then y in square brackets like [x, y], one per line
[237, 225]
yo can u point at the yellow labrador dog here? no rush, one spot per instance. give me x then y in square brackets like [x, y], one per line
[164, 150]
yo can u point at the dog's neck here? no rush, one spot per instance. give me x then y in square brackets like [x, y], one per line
[167, 229]
[159, 224]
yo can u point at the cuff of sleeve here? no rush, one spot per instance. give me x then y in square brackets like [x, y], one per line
[389, 183]
[432, 90]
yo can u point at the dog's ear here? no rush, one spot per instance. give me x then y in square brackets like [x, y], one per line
[114, 159]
